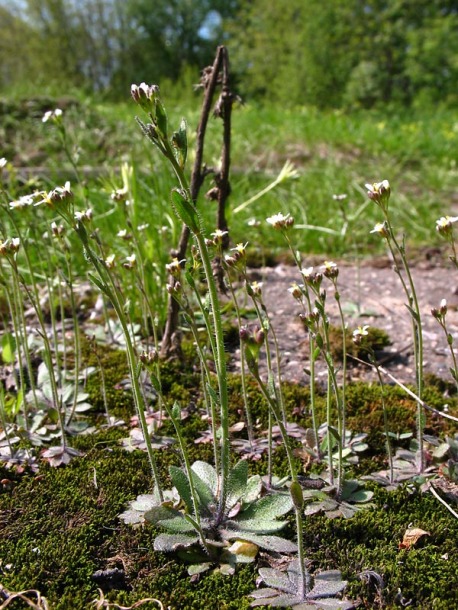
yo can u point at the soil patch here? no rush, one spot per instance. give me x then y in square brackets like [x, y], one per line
[370, 294]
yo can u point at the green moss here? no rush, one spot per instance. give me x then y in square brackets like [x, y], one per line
[375, 340]
[58, 528]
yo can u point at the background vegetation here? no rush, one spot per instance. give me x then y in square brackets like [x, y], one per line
[329, 54]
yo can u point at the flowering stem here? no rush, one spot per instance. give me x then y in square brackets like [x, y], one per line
[414, 309]
[312, 349]
[249, 421]
[108, 286]
[216, 328]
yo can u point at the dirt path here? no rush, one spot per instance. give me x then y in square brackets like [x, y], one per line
[370, 295]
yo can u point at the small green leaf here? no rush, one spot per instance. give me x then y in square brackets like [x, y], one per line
[297, 495]
[269, 507]
[155, 383]
[361, 496]
[316, 353]
[180, 144]
[170, 519]
[334, 433]
[8, 348]
[213, 395]
[185, 210]
[176, 411]
[161, 117]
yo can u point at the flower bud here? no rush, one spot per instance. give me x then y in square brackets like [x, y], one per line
[144, 95]
[296, 292]
[331, 270]
[175, 267]
[297, 495]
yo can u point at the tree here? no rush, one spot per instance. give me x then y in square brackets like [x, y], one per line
[347, 51]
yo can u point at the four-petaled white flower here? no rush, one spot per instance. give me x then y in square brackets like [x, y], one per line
[359, 333]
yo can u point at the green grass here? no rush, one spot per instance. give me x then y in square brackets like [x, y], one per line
[334, 153]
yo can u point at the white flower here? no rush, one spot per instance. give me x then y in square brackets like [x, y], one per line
[359, 333]
[307, 272]
[21, 203]
[120, 194]
[331, 270]
[109, 261]
[85, 216]
[52, 115]
[280, 221]
[379, 192]
[296, 291]
[3, 162]
[381, 228]
[444, 224]
[123, 234]
[218, 236]
[131, 261]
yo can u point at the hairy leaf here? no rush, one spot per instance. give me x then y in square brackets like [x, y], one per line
[173, 542]
[181, 482]
[237, 483]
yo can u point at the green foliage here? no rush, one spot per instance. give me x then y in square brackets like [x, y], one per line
[203, 537]
[327, 54]
[288, 589]
[343, 52]
[376, 339]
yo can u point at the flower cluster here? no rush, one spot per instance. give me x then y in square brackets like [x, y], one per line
[444, 225]
[280, 222]
[217, 238]
[239, 256]
[53, 115]
[84, 217]
[330, 270]
[175, 267]
[9, 247]
[379, 192]
[296, 291]
[311, 321]
[312, 278]
[145, 95]
[23, 202]
[61, 194]
[131, 262]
